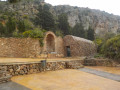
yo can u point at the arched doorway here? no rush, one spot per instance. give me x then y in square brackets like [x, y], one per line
[50, 43]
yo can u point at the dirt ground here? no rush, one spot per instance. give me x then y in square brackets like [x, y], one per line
[66, 80]
[9, 60]
[114, 70]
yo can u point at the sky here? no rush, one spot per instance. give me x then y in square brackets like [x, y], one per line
[110, 6]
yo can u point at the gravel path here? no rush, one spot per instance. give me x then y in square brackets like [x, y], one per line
[102, 74]
[12, 86]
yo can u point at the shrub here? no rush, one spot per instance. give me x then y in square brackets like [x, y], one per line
[37, 33]
[59, 33]
[99, 43]
[112, 48]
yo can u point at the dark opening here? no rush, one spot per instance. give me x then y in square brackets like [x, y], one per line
[68, 51]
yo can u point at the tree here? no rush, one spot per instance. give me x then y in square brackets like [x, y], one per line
[21, 26]
[63, 23]
[45, 18]
[90, 34]
[13, 1]
[78, 30]
[11, 26]
[28, 24]
[112, 48]
[2, 29]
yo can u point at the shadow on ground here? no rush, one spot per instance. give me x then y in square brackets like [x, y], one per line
[12, 86]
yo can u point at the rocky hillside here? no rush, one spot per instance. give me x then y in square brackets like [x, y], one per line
[100, 21]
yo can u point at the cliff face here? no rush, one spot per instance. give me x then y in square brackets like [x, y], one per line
[100, 21]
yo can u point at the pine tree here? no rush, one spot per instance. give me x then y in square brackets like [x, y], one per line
[13, 1]
[63, 23]
[21, 26]
[11, 26]
[45, 18]
[90, 34]
[79, 31]
[2, 30]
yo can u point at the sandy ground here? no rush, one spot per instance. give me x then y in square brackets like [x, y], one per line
[66, 80]
[7, 60]
[114, 70]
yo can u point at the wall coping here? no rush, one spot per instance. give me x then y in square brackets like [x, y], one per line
[36, 62]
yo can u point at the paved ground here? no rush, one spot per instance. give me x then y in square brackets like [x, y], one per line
[114, 70]
[102, 74]
[9, 60]
[12, 86]
[66, 80]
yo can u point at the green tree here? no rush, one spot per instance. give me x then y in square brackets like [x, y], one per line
[45, 18]
[11, 26]
[21, 26]
[2, 30]
[63, 23]
[90, 34]
[78, 30]
[59, 33]
[13, 1]
[28, 24]
[112, 48]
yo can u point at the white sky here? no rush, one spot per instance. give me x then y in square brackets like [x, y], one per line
[110, 6]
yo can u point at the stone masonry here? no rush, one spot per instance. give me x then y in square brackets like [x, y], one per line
[4, 75]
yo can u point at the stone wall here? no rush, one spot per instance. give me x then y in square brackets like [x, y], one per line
[79, 46]
[19, 47]
[15, 69]
[60, 47]
[4, 76]
[100, 62]
[54, 47]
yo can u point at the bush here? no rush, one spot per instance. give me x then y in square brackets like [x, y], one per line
[59, 33]
[16, 34]
[99, 55]
[37, 33]
[28, 24]
[99, 43]
[112, 48]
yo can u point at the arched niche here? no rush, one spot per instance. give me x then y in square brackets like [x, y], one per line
[50, 43]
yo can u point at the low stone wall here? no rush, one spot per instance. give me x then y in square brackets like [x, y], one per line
[4, 76]
[15, 69]
[100, 62]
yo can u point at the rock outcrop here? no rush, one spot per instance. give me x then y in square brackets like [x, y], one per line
[100, 21]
